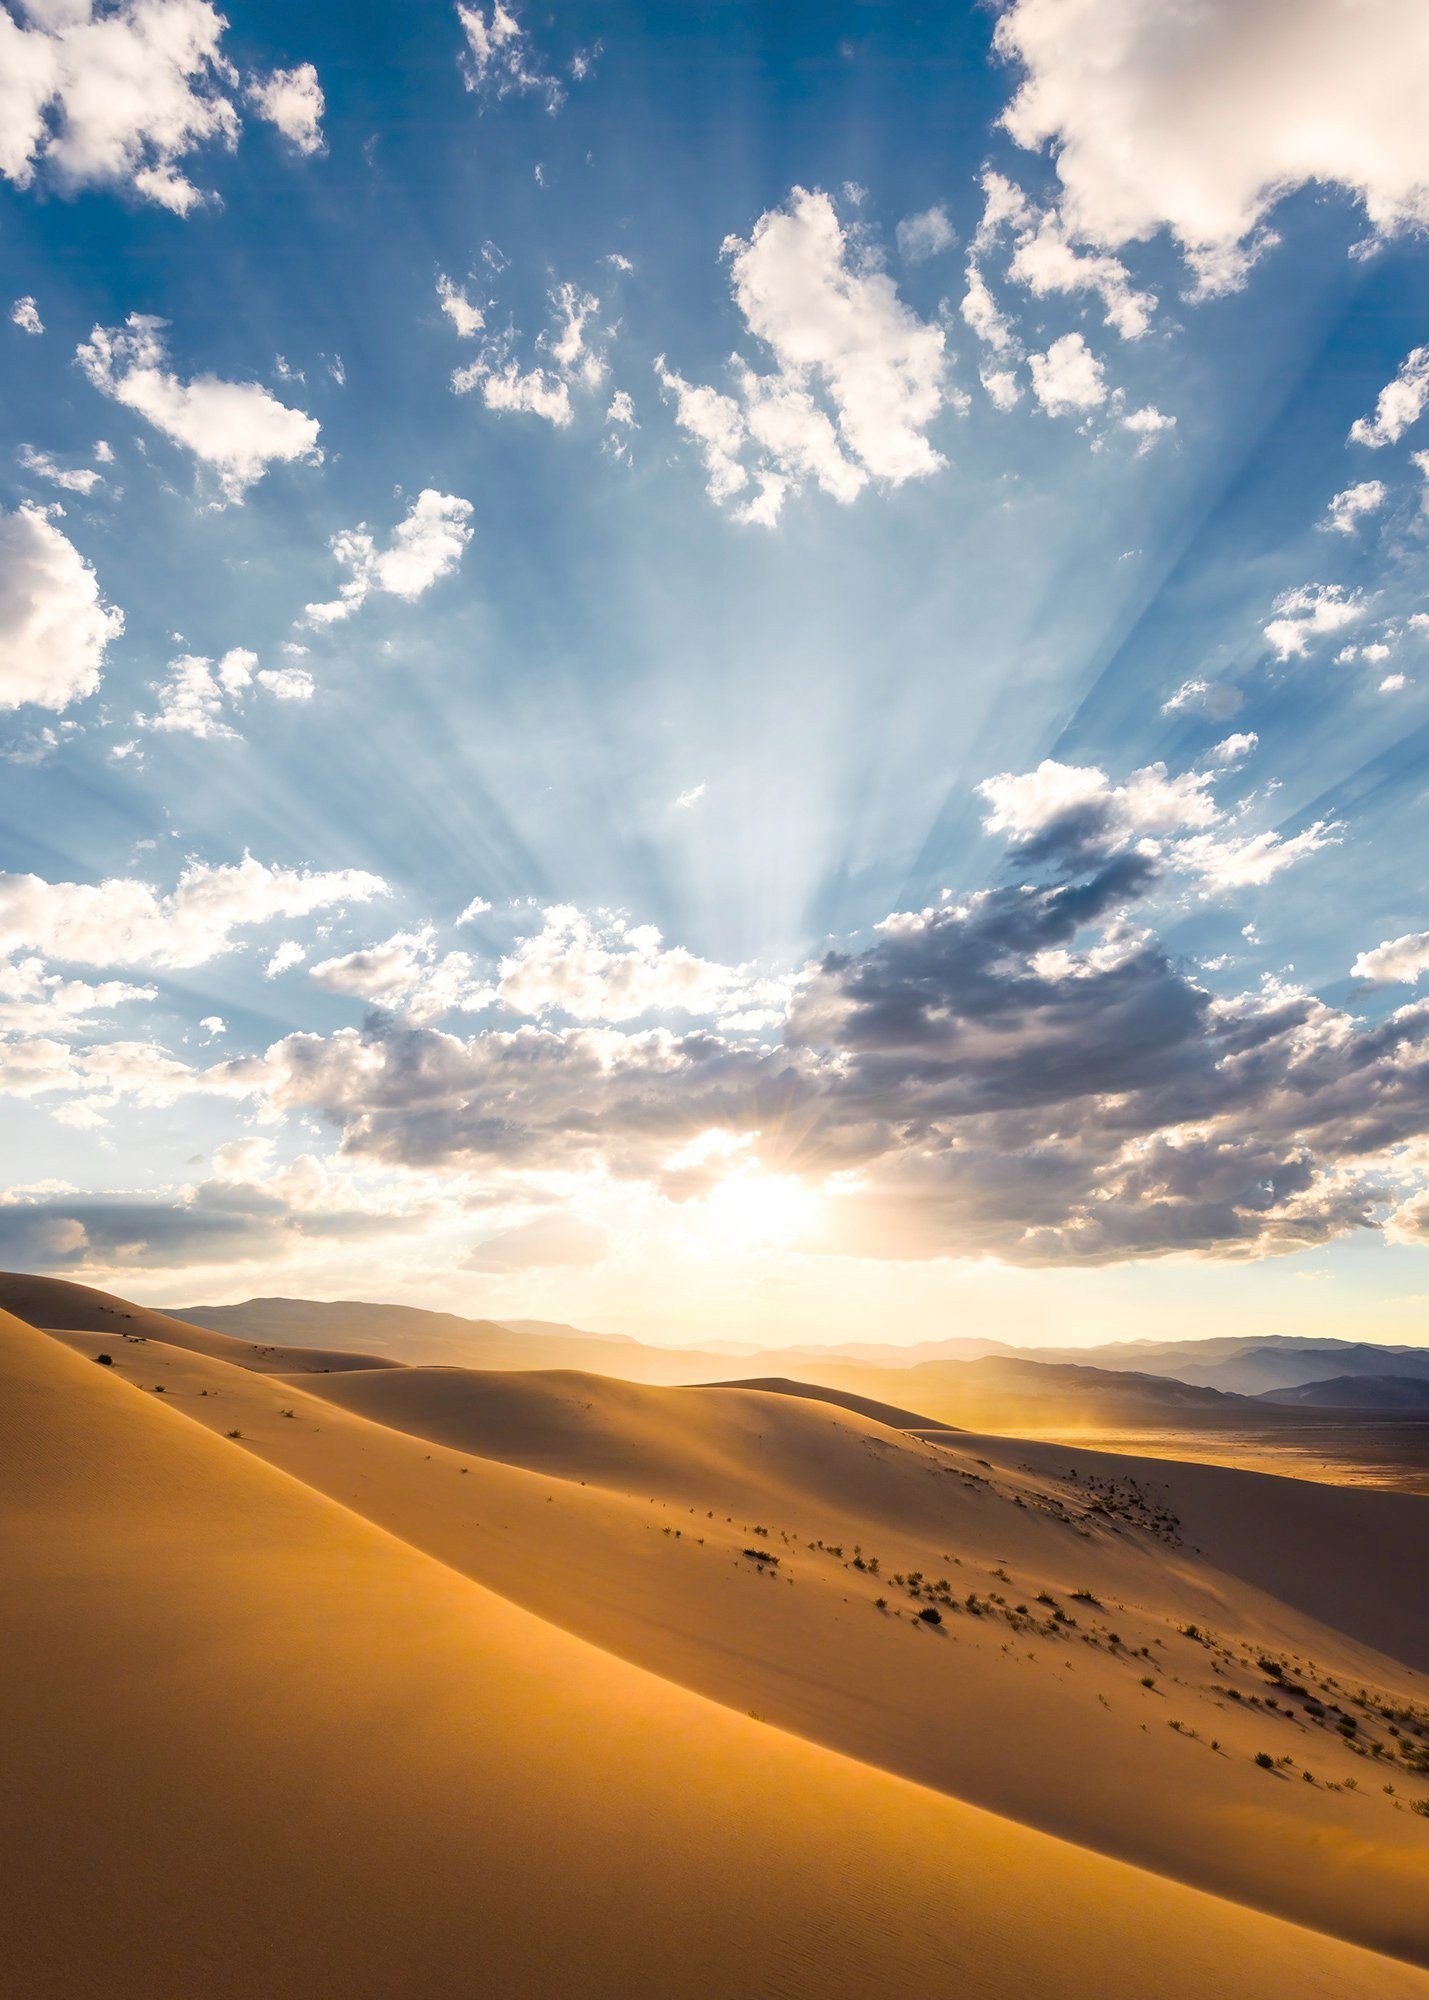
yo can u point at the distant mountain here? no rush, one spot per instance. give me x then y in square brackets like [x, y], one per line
[1409, 1393]
[413, 1334]
[1249, 1365]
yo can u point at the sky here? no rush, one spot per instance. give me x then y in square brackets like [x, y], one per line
[718, 671]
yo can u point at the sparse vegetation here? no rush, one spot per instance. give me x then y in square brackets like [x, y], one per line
[105, 1360]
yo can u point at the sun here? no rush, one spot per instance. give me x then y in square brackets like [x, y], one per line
[751, 1209]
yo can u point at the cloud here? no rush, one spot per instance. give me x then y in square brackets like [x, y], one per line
[1146, 425]
[127, 922]
[578, 362]
[927, 235]
[500, 60]
[1068, 377]
[609, 971]
[858, 377]
[1347, 509]
[200, 695]
[288, 954]
[426, 545]
[1314, 610]
[548, 1241]
[36, 1001]
[236, 428]
[404, 974]
[55, 626]
[467, 318]
[291, 99]
[119, 95]
[1046, 262]
[79, 479]
[26, 315]
[1072, 813]
[1400, 404]
[1397, 959]
[1231, 752]
[1199, 119]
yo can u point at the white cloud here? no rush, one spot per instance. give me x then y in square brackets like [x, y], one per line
[404, 974]
[927, 235]
[26, 315]
[500, 59]
[1173, 819]
[291, 99]
[213, 1026]
[830, 316]
[72, 479]
[1232, 751]
[237, 428]
[35, 1000]
[1392, 683]
[426, 545]
[1348, 508]
[1003, 389]
[54, 624]
[691, 797]
[541, 391]
[858, 376]
[1028, 804]
[609, 971]
[119, 95]
[981, 312]
[1046, 262]
[1400, 403]
[1307, 614]
[200, 696]
[1397, 959]
[127, 922]
[288, 954]
[1146, 425]
[477, 907]
[467, 318]
[1199, 118]
[1068, 377]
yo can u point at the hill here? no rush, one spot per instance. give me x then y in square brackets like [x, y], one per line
[1358, 1392]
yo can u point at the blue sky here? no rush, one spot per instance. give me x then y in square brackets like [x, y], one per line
[884, 558]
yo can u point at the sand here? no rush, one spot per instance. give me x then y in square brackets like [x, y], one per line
[315, 1710]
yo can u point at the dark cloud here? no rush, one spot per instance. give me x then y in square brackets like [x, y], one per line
[1027, 1074]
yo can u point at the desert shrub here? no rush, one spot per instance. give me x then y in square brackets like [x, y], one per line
[1264, 1759]
[929, 1616]
[233, 1434]
[1148, 1680]
[1420, 1806]
[755, 1555]
[105, 1360]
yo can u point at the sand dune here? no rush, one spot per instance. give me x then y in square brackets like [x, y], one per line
[1045, 1722]
[55, 1303]
[260, 1746]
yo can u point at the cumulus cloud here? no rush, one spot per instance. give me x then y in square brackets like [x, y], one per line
[500, 59]
[1068, 378]
[573, 356]
[405, 974]
[236, 428]
[1045, 261]
[1400, 403]
[426, 545]
[858, 377]
[55, 626]
[1312, 612]
[927, 235]
[1347, 509]
[1073, 811]
[291, 99]
[119, 93]
[1199, 119]
[1397, 959]
[127, 922]
[199, 697]
[26, 315]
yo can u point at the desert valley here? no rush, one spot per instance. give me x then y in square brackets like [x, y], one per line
[633, 1686]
